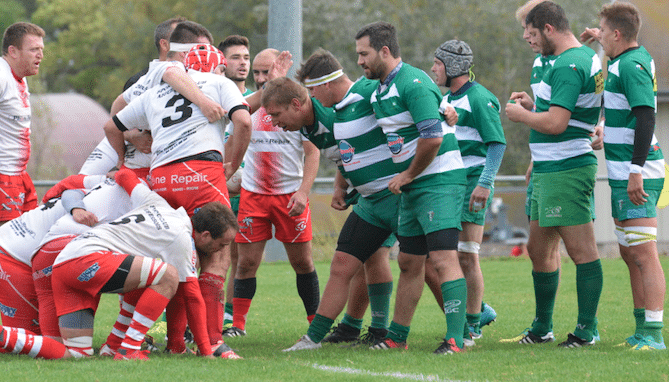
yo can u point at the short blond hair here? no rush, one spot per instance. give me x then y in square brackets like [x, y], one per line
[281, 91]
[624, 17]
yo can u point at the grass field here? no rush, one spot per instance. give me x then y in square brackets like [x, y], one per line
[277, 320]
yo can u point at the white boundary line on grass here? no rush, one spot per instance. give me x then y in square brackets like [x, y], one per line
[398, 375]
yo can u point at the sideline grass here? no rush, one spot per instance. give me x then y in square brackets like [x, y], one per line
[277, 320]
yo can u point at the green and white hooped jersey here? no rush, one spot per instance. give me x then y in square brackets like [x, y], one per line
[574, 82]
[631, 82]
[478, 124]
[362, 144]
[412, 97]
[538, 68]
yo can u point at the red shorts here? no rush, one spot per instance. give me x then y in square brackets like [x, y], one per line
[191, 184]
[76, 283]
[257, 213]
[42, 269]
[17, 195]
[18, 300]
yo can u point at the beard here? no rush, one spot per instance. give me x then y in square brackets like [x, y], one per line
[546, 46]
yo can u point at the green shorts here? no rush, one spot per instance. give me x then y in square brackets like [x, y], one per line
[477, 218]
[563, 198]
[381, 212]
[623, 209]
[528, 196]
[429, 209]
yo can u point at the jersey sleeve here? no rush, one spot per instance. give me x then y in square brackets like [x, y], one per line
[230, 96]
[639, 83]
[421, 101]
[566, 84]
[487, 120]
[133, 116]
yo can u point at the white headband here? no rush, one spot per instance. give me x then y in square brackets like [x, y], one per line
[178, 47]
[311, 82]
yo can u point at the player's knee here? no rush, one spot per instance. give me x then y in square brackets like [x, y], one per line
[170, 280]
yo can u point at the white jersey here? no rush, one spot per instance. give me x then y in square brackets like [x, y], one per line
[108, 201]
[179, 129]
[152, 78]
[103, 158]
[22, 237]
[274, 160]
[152, 229]
[14, 121]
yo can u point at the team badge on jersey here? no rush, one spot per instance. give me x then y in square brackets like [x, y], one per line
[395, 143]
[89, 273]
[347, 151]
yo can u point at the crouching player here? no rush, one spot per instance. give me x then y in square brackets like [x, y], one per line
[152, 250]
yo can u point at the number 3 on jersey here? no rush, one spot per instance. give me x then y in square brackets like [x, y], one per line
[184, 110]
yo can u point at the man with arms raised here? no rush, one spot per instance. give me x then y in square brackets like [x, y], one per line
[635, 163]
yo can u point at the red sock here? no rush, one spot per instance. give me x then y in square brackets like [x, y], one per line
[177, 321]
[212, 286]
[310, 317]
[240, 309]
[21, 341]
[124, 318]
[149, 308]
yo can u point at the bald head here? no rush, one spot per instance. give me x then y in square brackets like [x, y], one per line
[261, 65]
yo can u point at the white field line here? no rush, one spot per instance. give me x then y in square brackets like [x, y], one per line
[397, 375]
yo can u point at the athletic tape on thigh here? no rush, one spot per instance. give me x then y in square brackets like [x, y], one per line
[152, 271]
[620, 234]
[640, 235]
[469, 247]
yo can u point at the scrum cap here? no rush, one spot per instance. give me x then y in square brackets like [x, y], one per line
[204, 58]
[457, 57]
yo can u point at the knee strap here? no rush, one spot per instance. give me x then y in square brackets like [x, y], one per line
[469, 247]
[640, 235]
[620, 234]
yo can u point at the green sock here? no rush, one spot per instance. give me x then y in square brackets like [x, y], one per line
[545, 290]
[228, 313]
[455, 298]
[397, 332]
[639, 319]
[589, 281]
[474, 321]
[320, 326]
[379, 302]
[351, 321]
[654, 329]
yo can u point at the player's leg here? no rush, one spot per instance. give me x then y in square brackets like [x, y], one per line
[357, 302]
[468, 252]
[230, 288]
[250, 257]
[17, 295]
[213, 269]
[641, 235]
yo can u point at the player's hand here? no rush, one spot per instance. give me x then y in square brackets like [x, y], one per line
[84, 217]
[142, 140]
[590, 35]
[598, 137]
[478, 199]
[450, 115]
[398, 181]
[297, 203]
[228, 170]
[338, 199]
[635, 189]
[280, 66]
[523, 99]
[528, 173]
[212, 110]
[514, 111]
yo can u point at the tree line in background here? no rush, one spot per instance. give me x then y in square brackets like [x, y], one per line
[94, 46]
